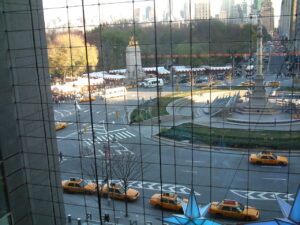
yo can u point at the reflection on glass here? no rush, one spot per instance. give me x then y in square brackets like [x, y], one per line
[3, 201]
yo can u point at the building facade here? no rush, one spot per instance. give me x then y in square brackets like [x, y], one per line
[30, 191]
[285, 19]
[267, 14]
[202, 10]
[257, 5]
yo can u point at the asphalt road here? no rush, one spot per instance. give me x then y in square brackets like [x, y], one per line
[215, 174]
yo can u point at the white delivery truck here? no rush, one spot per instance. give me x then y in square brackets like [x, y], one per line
[153, 82]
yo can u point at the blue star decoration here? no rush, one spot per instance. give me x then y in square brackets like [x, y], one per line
[192, 214]
[291, 213]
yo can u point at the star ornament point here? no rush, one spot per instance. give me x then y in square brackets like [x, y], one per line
[192, 214]
[291, 214]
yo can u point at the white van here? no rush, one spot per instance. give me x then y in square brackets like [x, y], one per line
[152, 82]
[114, 92]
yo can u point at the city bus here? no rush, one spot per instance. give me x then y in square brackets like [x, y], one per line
[113, 92]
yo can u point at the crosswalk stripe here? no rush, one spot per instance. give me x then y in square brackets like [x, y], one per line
[118, 136]
[88, 142]
[101, 138]
[132, 135]
[122, 135]
[127, 134]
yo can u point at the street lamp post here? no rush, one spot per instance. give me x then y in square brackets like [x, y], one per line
[125, 108]
[77, 110]
[232, 68]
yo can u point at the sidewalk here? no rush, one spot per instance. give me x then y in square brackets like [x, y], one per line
[121, 220]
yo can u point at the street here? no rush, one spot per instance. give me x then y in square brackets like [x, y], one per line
[214, 173]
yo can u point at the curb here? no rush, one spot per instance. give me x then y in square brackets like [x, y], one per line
[208, 148]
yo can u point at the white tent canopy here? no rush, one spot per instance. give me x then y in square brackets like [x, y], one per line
[160, 70]
[85, 81]
[119, 71]
[104, 75]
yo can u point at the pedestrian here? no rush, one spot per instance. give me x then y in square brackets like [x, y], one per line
[60, 157]
[114, 138]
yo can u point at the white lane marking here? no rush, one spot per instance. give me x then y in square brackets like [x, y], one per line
[270, 178]
[86, 110]
[153, 186]
[200, 161]
[60, 113]
[272, 166]
[116, 130]
[67, 112]
[261, 195]
[190, 171]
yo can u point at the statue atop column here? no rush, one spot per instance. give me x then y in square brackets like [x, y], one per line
[134, 70]
[133, 42]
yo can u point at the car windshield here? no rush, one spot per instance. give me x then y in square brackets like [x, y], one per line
[241, 207]
[83, 183]
[122, 190]
[178, 200]
[275, 156]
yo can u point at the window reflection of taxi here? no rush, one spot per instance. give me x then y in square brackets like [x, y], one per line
[169, 201]
[274, 84]
[87, 99]
[77, 185]
[268, 158]
[233, 209]
[117, 191]
[248, 83]
[60, 125]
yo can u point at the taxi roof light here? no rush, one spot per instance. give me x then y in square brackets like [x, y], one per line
[229, 202]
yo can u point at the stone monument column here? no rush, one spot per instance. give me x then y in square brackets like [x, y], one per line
[259, 100]
[134, 70]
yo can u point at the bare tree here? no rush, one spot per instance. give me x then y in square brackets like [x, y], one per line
[127, 168]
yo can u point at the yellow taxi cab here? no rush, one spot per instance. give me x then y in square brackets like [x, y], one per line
[77, 185]
[117, 191]
[268, 158]
[233, 209]
[87, 99]
[296, 116]
[60, 125]
[169, 201]
[274, 84]
[248, 83]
